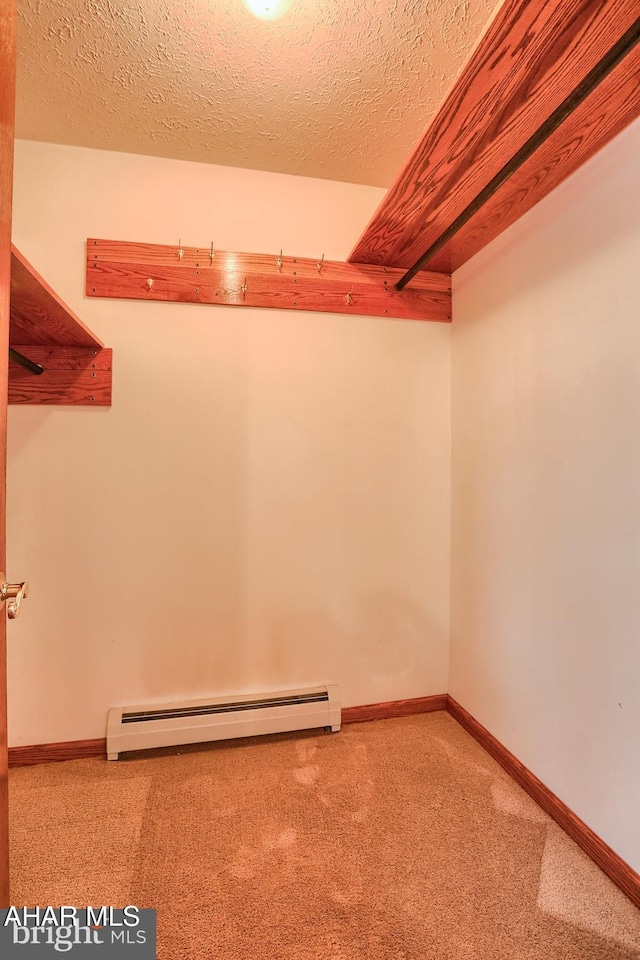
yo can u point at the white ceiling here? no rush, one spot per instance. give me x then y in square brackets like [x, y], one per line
[340, 89]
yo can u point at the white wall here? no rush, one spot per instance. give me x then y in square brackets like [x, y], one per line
[265, 505]
[546, 491]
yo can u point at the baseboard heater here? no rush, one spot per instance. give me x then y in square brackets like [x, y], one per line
[198, 721]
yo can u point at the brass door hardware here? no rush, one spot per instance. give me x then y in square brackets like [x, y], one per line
[15, 593]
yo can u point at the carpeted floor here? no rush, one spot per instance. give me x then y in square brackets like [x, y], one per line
[394, 840]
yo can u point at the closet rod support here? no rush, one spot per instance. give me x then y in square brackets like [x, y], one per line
[25, 362]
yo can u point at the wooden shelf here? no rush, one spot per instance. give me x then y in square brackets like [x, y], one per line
[533, 56]
[77, 367]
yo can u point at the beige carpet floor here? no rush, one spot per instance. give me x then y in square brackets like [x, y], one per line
[394, 840]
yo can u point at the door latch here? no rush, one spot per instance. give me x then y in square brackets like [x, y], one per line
[15, 593]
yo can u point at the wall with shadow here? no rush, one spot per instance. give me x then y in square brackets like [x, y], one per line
[546, 474]
[266, 503]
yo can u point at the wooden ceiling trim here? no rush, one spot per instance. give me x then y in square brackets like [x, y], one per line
[72, 376]
[607, 111]
[38, 315]
[142, 271]
[532, 56]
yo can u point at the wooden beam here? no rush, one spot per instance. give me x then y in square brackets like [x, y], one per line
[609, 109]
[143, 271]
[532, 56]
[72, 376]
[38, 315]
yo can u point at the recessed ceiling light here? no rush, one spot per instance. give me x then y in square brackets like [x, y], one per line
[267, 9]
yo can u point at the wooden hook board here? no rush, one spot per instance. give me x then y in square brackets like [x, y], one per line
[144, 271]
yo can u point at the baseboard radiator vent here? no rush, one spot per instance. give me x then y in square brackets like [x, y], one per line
[198, 721]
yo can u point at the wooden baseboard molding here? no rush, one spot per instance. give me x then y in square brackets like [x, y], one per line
[624, 876]
[394, 708]
[88, 749]
[55, 752]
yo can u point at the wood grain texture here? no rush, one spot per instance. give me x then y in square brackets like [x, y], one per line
[7, 113]
[394, 708]
[38, 315]
[605, 113]
[72, 376]
[56, 752]
[624, 876]
[531, 57]
[117, 269]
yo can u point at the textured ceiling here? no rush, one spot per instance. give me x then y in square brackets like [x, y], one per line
[340, 89]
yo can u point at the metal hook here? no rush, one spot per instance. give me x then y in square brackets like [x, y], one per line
[279, 261]
[212, 253]
[349, 299]
[180, 250]
[149, 283]
[320, 263]
[244, 288]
